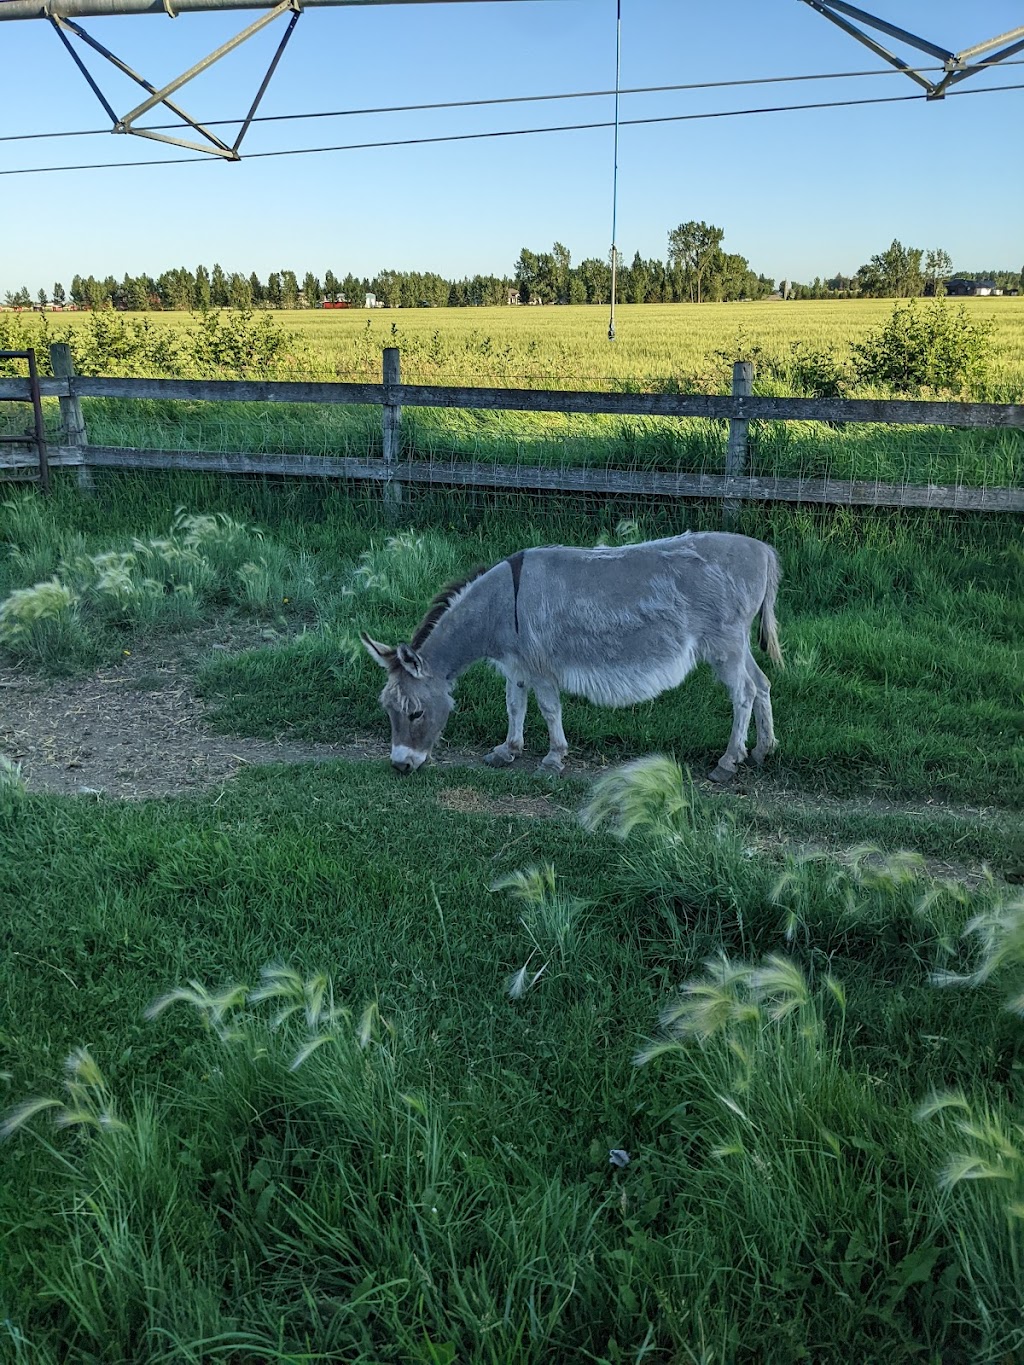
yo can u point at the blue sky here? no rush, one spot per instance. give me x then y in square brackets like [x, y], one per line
[799, 193]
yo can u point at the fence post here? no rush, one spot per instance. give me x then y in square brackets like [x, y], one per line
[71, 418]
[737, 449]
[391, 418]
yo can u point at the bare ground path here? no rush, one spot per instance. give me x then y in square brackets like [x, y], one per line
[139, 729]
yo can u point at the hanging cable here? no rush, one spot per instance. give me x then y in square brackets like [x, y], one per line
[505, 99]
[506, 133]
[615, 165]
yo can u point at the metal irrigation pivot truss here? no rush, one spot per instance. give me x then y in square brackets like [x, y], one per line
[957, 66]
[62, 14]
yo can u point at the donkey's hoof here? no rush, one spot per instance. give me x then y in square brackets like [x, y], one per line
[500, 758]
[720, 774]
[552, 766]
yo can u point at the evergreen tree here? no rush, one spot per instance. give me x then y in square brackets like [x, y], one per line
[218, 287]
[239, 292]
[634, 287]
[136, 295]
[311, 291]
[289, 289]
[561, 265]
[201, 296]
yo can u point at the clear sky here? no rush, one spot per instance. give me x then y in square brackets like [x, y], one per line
[798, 193]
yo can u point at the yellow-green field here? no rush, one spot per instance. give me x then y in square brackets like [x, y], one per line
[568, 347]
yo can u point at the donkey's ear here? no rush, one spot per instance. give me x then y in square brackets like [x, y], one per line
[380, 654]
[412, 661]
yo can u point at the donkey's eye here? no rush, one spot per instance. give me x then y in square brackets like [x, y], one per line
[415, 715]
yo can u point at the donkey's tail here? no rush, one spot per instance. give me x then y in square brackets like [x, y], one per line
[769, 626]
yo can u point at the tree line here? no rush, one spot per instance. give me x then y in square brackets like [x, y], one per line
[696, 270]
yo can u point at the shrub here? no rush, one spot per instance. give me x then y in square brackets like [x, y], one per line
[939, 348]
[109, 343]
[816, 373]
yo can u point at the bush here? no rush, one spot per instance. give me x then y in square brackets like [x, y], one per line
[211, 345]
[940, 348]
[816, 373]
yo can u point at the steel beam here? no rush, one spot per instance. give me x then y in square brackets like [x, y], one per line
[102, 9]
[957, 65]
[60, 12]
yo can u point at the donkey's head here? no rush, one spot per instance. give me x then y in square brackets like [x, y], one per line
[417, 702]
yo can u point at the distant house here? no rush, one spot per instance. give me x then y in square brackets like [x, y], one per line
[971, 288]
[513, 297]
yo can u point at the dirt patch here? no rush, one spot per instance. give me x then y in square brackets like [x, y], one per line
[137, 729]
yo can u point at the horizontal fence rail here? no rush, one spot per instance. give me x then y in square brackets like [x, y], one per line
[474, 474]
[733, 486]
[721, 407]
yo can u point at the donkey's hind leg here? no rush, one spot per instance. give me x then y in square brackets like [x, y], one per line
[515, 703]
[763, 719]
[734, 672]
[550, 703]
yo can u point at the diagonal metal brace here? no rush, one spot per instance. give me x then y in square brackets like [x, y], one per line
[213, 143]
[957, 66]
[828, 10]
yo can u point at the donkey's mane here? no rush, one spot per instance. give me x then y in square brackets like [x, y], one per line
[442, 602]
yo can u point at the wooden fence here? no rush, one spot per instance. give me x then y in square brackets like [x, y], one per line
[733, 485]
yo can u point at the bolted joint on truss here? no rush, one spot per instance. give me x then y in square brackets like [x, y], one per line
[956, 66]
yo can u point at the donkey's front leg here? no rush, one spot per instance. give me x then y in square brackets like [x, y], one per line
[550, 704]
[515, 703]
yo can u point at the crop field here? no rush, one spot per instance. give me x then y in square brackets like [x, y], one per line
[797, 348]
[568, 346]
[320, 1064]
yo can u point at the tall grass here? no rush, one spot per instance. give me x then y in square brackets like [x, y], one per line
[93, 601]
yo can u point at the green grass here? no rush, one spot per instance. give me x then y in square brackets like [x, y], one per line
[432, 1183]
[904, 676]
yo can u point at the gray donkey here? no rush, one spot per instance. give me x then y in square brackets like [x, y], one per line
[616, 626]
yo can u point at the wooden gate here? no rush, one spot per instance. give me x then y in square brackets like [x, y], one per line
[25, 466]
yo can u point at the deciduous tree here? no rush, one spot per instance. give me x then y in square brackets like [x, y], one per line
[695, 246]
